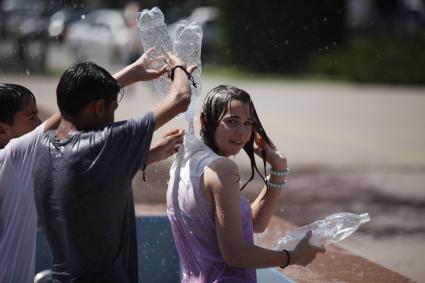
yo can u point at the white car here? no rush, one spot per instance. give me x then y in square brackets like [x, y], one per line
[101, 36]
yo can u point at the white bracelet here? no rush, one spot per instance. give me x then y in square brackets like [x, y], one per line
[282, 185]
[283, 173]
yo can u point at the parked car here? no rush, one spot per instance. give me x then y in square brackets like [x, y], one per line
[60, 21]
[207, 18]
[26, 19]
[24, 23]
[102, 36]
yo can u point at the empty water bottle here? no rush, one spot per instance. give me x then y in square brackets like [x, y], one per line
[187, 45]
[154, 33]
[332, 229]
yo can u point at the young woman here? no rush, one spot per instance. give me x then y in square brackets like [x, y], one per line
[212, 223]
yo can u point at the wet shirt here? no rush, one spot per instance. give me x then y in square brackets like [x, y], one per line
[84, 200]
[18, 217]
[192, 219]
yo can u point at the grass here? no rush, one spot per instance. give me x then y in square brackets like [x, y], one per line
[378, 59]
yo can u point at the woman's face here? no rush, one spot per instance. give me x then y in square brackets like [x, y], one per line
[234, 129]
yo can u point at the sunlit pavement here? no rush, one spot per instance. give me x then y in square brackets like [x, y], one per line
[312, 123]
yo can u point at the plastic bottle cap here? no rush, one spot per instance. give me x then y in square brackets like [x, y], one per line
[364, 217]
[188, 32]
[147, 18]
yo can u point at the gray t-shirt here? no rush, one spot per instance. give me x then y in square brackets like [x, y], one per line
[84, 200]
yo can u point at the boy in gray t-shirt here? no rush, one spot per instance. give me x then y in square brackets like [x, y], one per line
[84, 170]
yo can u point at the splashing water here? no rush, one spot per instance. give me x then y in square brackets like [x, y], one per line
[187, 45]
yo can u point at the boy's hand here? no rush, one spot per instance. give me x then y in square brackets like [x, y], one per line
[140, 70]
[167, 146]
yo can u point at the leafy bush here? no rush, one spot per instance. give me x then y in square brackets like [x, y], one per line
[278, 35]
[398, 59]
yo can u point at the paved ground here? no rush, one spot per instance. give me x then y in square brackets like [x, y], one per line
[351, 148]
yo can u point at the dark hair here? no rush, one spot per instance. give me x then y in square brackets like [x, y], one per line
[83, 83]
[13, 98]
[213, 110]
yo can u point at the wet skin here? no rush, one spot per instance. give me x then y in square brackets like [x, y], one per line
[234, 129]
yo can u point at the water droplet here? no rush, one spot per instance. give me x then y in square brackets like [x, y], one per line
[325, 19]
[27, 72]
[83, 16]
[286, 42]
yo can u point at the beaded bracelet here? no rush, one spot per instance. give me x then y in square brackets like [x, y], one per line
[189, 76]
[283, 173]
[288, 255]
[282, 185]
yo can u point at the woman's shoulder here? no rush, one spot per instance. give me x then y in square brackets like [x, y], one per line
[222, 172]
[224, 164]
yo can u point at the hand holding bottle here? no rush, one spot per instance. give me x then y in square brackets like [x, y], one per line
[332, 229]
[304, 253]
[153, 33]
[139, 70]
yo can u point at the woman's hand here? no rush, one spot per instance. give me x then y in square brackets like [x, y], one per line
[304, 253]
[273, 157]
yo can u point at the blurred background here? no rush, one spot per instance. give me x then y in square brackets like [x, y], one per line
[339, 86]
[363, 41]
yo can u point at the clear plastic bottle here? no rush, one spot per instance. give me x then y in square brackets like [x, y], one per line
[332, 229]
[154, 33]
[187, 45]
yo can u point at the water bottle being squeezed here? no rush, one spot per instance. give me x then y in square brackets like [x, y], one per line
[332, 229]
[187, 45]
[154, 33]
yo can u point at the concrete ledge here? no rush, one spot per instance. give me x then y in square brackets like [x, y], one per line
[336, 265]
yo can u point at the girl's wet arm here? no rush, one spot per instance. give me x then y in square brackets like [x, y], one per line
[267, 201]
[222, 182]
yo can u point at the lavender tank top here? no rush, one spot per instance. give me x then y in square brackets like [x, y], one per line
[192, 219]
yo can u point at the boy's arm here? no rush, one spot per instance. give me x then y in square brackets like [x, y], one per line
[178, 98]
[52, 122]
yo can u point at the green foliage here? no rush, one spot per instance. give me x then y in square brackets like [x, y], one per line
[278, 35]
[381, 59]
